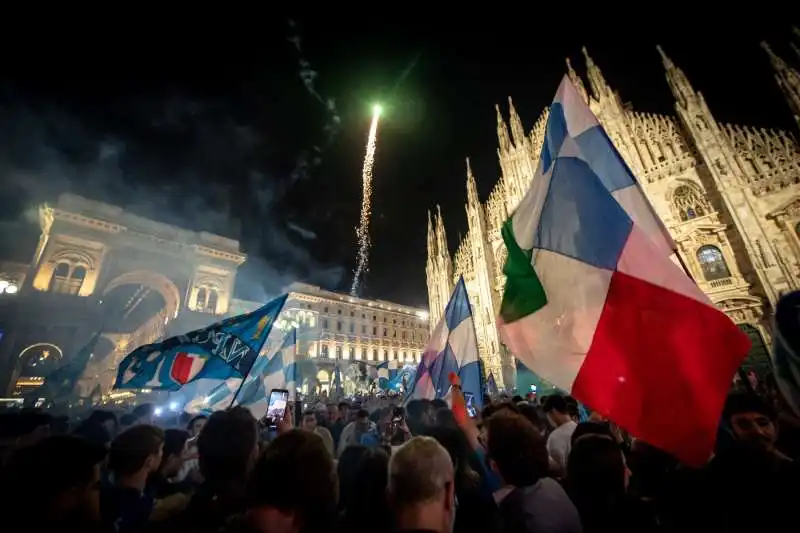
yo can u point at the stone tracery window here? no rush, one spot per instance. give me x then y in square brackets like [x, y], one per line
[712, 263]
[67, 278]
[689, 203]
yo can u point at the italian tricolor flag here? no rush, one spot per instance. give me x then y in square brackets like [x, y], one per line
[594, 304]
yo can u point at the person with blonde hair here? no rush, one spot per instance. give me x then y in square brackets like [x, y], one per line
[422, 486]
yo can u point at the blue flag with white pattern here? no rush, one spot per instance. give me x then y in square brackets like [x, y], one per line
[453, 347]
[226, 349]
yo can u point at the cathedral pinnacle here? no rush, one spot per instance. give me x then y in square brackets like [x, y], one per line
[587, 57]
[517, 131]
[503, 138]
[664, 57]
[678, 82]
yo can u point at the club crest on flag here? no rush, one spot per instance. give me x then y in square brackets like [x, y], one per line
[186, 366]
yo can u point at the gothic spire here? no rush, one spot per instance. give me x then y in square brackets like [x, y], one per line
[596, 80]
[517, 131]
[788, 80]
[678, 82]
[577, 81]
[503, 138]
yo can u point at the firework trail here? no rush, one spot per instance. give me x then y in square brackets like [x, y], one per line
[362, 231]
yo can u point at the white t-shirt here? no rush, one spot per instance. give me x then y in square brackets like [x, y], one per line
[559, 444]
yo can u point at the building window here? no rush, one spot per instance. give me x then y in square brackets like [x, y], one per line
[339, 325]
[404, 335]
[324, 323]
[689, 203]
[324, 351]
[351, 353]
[374, 330]
[339, 311]
[712, 263]
[384, 332]
[352, 327]
[374, 318]
[363, 329]
[206, 301]
[363, 316]
[338, 352]
[67, 279]
[386, 355]
[325, 309]
[352, 314]
[375, 355]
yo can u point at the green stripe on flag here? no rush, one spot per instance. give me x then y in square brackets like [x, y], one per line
[523, 294]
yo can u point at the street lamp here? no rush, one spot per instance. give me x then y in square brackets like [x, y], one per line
[8, 287]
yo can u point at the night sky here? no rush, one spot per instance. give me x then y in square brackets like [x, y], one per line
[206, 122]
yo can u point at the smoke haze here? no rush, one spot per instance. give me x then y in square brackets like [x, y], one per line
[196, 161]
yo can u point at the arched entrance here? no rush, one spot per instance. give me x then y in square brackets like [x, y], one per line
[34, 363]
[153, 281]
[133, 299]
[757, 359]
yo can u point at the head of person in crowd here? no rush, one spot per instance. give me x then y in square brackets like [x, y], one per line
[556, 410]
[515, 449]
[293, 486]
[107, 419]
[144, 413]
[174, 448]
[196, 424]
[751, 419]
[597, 474]
[127, 420]
[309, 421]
[227, 448]
[54, 481]
[91, 430]
[135, 454]
[353, 410]
[591, 427]
[343, 412]
[362, 421]
[363, 477]
[416, 415]
[421, 489]
[532, 414]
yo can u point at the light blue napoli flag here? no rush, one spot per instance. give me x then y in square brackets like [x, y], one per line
[276, 371]
[453, 347]
[387, 371]
[226, 349]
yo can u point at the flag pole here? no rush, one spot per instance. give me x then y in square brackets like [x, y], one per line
[239, 388]
[481, 383]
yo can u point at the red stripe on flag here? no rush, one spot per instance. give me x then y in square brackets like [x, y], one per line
[660, 365]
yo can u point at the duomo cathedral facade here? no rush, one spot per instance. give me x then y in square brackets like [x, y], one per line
[729, 195]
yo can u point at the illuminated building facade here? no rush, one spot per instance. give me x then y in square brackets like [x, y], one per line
[97, 267]
[354, 333]
[729, 195]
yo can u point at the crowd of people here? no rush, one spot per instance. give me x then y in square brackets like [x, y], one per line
[522, 465]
